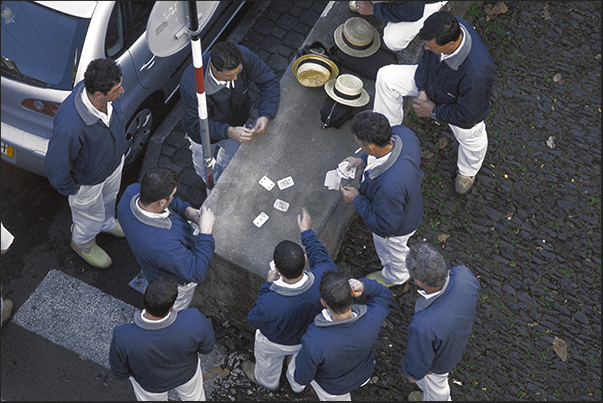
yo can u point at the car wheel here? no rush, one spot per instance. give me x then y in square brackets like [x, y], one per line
[139, 130]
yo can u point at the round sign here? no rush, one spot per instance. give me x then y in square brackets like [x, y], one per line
[167, 29]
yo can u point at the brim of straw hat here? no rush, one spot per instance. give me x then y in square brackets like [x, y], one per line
[325, 70]
[362, 100]
[345, 48]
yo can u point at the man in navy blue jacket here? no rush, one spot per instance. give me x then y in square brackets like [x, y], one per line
[287, 303]
[228, 72]
[166, 234]
[452, 84]
[441, 326]
[389, 198]
[404, 18]
[160, 350]
[338, 350]
[85, 157]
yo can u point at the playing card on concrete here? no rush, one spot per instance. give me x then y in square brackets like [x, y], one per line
[285, 183]
[281, 205]
[266, 183]
[332, 180]
[260, 219]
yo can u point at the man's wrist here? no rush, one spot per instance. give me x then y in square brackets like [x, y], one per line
[433, 114]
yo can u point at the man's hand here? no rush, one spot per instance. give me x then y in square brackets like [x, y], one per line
[304, 222]
[192, 214]
[240, 133]
[364, 7]
[349, 193]
[355, 162]
[357, 287]
[423, 108]
[206, 221]
[260, 125]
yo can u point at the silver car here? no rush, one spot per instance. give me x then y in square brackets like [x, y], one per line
[46, 47]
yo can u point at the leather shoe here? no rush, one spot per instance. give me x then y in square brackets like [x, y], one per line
[117, 232]
[248, 368]
[463, 183]
[95, 256]
[7, 311]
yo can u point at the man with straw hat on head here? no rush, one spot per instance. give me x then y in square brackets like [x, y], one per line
[389, 197]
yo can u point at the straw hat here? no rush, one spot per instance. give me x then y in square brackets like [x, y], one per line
[314, 70]
[347, 89]
[357, 37]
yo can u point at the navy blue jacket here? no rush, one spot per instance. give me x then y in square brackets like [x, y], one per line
[390, 200]
[82, 149]
[165, 245]
[340, 356]
[161, 356]
[461, 85]
[228, 107]
[284, 314]
[440, 328]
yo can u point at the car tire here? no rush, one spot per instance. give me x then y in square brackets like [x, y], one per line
[139, 129]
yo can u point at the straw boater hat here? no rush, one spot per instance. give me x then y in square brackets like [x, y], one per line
[357, 37]
[314, 70]
[347, 89]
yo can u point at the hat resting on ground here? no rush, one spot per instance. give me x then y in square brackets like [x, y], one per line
[314, 70]
[347, 90]
[357, 37]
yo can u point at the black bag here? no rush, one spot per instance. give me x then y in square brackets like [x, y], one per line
[334, 114]
[365, 66]
[315, 48]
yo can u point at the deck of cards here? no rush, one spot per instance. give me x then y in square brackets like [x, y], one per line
[333, 178]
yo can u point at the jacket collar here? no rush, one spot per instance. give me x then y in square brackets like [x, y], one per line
[358, 309]
[395, 153]
[294, 291]
[423, 303]
[88, 118]
[455, 61]
[138, 321]
[162, 222]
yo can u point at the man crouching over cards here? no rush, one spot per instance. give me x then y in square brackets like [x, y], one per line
[389, 197]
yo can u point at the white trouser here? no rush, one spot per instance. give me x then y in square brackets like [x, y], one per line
[435, 387]
[186, 292]
[93, 209]
[396, 81]
[392, 252]
[397, 35]
[269, 362]
[226, 150]
[191, 391]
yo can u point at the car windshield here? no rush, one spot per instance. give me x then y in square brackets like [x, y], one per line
[41, 46]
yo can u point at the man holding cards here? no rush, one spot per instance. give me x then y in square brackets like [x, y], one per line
[389, 197]
[228, 71]
[287, 303]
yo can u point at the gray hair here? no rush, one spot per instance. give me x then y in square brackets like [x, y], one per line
[427, 265]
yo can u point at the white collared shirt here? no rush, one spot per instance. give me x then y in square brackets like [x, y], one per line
[153, 321]
[106, 118]
[227, 84]
[428, 296]
[150, 214]
[281, 283]
[373, 162]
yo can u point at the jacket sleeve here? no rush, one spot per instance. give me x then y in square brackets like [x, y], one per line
[62, 151]
[419, 353]
[266, 81]
[399, 11]
[208, 337]
[421, 71]
[306, 363]
[385, 212]
[257, 317]
[316, 251]
[379, 298]
[117, 359]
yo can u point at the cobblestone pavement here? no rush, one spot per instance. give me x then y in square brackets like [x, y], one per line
[530, 228]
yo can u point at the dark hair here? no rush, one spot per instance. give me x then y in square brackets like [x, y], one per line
[156, 184]
[336, 291]
[372, 127]
[289, 259]
[102, 75]
[160, 296]
[441, 26]
[225, 56]
[427, 265]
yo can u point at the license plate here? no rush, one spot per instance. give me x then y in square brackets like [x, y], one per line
[7, 150]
